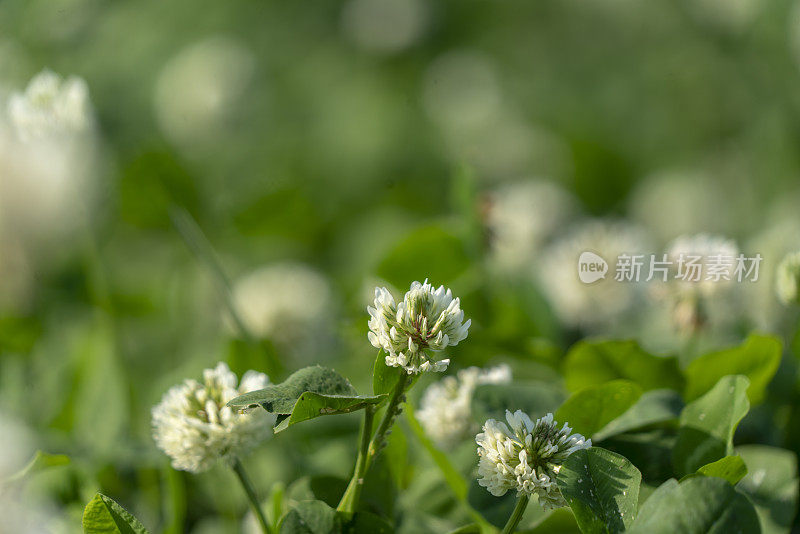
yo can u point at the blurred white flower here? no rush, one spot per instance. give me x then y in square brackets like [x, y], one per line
[47, 162]
[384, 25]
[787, 279]
[706, 247]
[194, 426]
[288, 303]
[445, 412]
[521, 217]
[50, 106]
[198, 88]
[526, 456]
[696, 297]
[600, 304]
[426, 321]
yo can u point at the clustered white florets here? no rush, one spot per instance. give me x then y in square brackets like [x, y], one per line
[426, 321]
[193, 425]
[445, 412]
[526, 456]
[50, 106]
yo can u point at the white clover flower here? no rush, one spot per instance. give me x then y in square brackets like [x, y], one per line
[48, 162]
[600, 305]
[426, 321]
[288, 303]
[194, 426]
[526, 456]
[445, 406]
[521, 217]
[198, 89]
[50, 106]
[787, 279]
[708, 248]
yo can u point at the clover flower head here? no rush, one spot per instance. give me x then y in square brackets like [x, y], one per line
[194, 426]
[605, 303]
[287, 302]
[445, 412]
[526, 456]
[787, 279]
[50, 106]
[426, 321]
[521, 217]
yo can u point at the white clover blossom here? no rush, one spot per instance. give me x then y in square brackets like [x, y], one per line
[600, 305]
[194, 426]
[445, 412]
[708, 248]
[526, 456]
[287, 302]
[50, 106]
[787, 279]
[48, 162]
[522, 217]
[426, 321]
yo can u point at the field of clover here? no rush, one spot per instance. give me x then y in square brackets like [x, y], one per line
[399, 267]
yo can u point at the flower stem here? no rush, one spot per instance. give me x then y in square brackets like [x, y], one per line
[369, 449]
[392, 409]
[238, 468]
[353, 493]
[516, 515]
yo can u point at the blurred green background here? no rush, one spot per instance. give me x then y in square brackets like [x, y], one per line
[330, 147]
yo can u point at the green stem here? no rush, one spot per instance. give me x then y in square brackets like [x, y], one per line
[516, 515]
[353, 494]
[200, 246]
[251, 495]
[392, 409]
[370, 448]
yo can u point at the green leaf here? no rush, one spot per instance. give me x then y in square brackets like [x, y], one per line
[707, 425]
[496, 510]
[771, 484]
[311, 517]
[104, 516]
[490, 401]
[41, 461]
[602, 488]
[384, 378]
[700, 505]
[757, 359]
[650, 451]
[308, 393]
[451, 475]
[653, 407]
[311, 405]
[281, 398]
[730, 468]
[592, 408]
[396, 454]
[430, 251]
[593, 362]
[560, 521]
[367, 523]
[472, 528]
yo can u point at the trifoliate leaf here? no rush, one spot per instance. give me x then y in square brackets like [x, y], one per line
[602, 488]
[104, 516]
